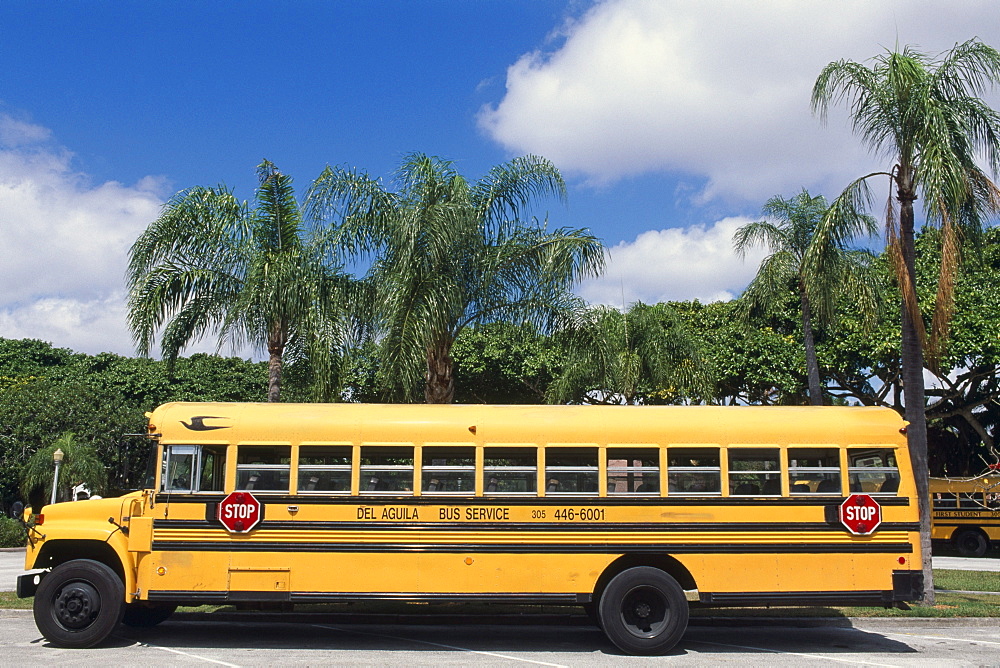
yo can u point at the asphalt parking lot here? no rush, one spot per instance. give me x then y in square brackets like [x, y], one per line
[270, 642]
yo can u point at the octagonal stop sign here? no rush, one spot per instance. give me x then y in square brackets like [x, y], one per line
[239, 512]
[861, 514]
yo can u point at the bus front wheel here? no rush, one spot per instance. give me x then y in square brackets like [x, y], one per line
[643, 611]
[971, 543]
[79, 604]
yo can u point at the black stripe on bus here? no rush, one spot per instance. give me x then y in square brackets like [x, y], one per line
[529, 548]
[840, 598]
[217, 597]
[287, 499]
[589, 525]
[969, 522]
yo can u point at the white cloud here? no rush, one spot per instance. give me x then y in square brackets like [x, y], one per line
[64, 244]
[716, 90]
[676, 264]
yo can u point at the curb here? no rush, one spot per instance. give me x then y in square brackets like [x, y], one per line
[13, 549]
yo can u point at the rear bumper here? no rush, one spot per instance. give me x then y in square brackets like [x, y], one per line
[906, 586]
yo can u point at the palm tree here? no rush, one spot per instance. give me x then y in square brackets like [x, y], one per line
[81, 465]
[924, 113]
[788, 232]
[211, 263]
[644, 355]
[446, 253]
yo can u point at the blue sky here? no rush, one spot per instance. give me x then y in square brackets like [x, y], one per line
[673, 121]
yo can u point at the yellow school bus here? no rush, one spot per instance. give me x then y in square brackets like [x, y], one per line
[633, 513]
[965, 513]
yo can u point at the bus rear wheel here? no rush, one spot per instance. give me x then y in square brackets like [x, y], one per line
[79, 604]
[643, 611]
[971, 543]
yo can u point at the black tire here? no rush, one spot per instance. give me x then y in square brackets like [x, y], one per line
[145, 615]
[79, 604]
[971, 543]
[643, 611]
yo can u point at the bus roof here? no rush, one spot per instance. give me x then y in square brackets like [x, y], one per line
[470, 424]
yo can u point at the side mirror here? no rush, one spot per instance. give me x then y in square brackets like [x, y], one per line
[16, 510]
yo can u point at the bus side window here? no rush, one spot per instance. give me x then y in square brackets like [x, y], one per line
[448, 470]
[753, 470]
[213, 468]
[633, 471]
[325, 468]
[873, 471]
[387, 469]
[814, 470]
[694, 470]
[263, 468]
[971, 500]
[510, 470]
[571, 470]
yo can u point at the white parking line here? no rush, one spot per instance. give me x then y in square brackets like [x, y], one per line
[435, 644]
[778, 651]
[187, 654]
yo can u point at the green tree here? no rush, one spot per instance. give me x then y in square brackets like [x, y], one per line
[642, 356]
[81, 465]
[211, 263]
[447, 253]
[757, 364]
[501, 363]
[788, 232]
[926, 113]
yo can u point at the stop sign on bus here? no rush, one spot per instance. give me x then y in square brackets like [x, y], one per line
[239, 512]
[861, 514]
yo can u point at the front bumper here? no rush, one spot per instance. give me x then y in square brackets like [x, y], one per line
[27, 583]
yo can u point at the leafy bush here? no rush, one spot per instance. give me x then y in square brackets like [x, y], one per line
[11, 533]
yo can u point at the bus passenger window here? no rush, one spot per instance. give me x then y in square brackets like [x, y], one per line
[633, 471]
[814, 471]
[571, 471]
[448, 470]
[873, 471]
[510, 470]
[754, 470]
[325, 469]
[386, 469]
[971, 500]
[945, 501]
[263, 468]
[693, 471]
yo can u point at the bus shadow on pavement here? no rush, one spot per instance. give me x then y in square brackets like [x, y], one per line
[839, 639]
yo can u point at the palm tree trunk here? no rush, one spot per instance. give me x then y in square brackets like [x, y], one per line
[439, 387]
[275, 349]
[914, 396]
[812, 365]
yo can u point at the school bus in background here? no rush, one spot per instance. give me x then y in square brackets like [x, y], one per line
[965, 514]
[631, 512]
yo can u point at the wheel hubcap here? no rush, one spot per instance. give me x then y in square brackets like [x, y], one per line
[76, 605]
[645, 612]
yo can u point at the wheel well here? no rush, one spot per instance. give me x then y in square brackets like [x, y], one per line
[969, 529]
[664, 562]
[60, 551]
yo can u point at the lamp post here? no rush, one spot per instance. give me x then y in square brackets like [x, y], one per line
[57, 459]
